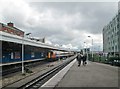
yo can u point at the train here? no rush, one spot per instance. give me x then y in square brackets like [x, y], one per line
[57, 55]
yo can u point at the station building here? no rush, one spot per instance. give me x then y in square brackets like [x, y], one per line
[85, 50]
[11, 41]
[111, 36]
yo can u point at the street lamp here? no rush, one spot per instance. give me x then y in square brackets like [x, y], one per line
[23, 52]
[92, 46]
[85, 44]
[86, 49]
[98, 48]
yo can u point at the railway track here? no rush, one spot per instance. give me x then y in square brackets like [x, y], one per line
[18, 68]
[10, 71]
[39, 81]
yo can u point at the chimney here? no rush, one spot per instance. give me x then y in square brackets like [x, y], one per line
[10, 24]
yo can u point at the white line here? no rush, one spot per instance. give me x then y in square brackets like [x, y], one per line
[56, 79]
[30, 60]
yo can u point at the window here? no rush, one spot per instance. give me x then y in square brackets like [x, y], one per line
[118, 26]
[32, 54]
[17, 55]
[116, 47]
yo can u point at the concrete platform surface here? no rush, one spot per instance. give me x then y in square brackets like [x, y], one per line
[91, 75]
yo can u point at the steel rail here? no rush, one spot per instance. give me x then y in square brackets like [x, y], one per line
[37, 82]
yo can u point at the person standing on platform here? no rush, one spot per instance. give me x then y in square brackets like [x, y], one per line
[79, 59]
[84, 59]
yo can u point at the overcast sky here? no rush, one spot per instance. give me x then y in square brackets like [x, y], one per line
[62, 23]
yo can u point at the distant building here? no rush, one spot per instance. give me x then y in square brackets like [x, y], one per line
[111, 36]
[9, 28]
[85, 50]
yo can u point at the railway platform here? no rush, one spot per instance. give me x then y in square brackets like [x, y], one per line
[17, 80]
[92, 76]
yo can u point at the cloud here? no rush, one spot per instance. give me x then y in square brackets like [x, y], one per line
[69, 46]
[61, 23]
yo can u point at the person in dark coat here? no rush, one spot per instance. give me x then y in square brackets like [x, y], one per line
[84, 59]
[79, 59]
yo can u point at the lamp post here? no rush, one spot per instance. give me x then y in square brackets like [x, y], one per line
[98, 48]
[23, 53]
[86, 49]
[91, 47]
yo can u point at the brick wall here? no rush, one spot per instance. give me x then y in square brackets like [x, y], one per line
[11, 30]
